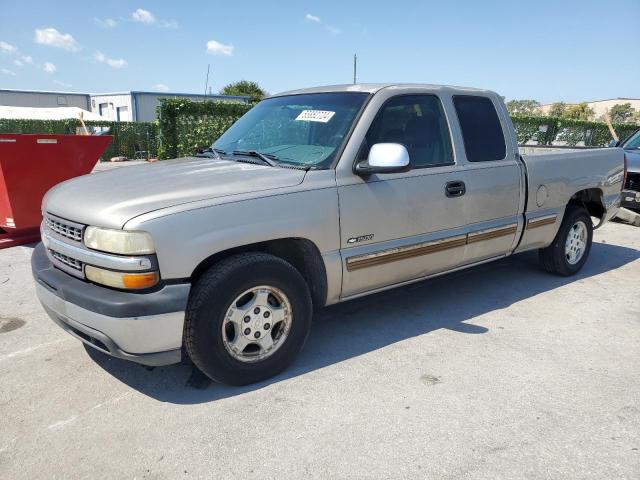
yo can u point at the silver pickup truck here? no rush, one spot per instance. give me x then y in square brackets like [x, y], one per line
[313, 197]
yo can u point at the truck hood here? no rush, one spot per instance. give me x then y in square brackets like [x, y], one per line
[110, 199]
[633, 160]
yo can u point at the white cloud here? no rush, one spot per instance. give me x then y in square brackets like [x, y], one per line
[315, 19]
[62, 84]
[217, 48]
[143, 16]
[7, 47]
[49, 67]
[112, 62]
[161, 87]
[23, 60]
[106, 23]
[4, 71]
[173, 24]
[52, 37]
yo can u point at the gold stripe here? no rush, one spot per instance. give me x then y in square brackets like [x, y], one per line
[489, 234]
[403, 253]
[540, 222]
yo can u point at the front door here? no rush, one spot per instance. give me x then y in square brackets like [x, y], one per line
[402, 226]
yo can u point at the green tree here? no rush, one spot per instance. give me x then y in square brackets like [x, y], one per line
[621, 112]
[523, 107]
[580, 111]
[246, 88]
[558, 109]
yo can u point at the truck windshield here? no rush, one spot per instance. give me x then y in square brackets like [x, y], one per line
[305, 130]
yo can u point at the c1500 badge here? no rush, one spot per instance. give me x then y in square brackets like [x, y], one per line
[361, 238]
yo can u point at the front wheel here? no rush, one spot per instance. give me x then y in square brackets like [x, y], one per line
[247, 318]
[570, 249]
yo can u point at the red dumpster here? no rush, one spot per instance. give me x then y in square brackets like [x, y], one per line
[29, 166]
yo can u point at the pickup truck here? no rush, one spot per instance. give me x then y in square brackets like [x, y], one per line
[313, 197]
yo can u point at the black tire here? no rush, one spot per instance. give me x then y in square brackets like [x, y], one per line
[213, 294]
[553, 258]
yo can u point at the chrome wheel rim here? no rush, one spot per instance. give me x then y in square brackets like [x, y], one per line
[256, 324]
[576, 243]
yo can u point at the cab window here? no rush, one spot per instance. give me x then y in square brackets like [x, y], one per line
[481, 129]
[417, 122]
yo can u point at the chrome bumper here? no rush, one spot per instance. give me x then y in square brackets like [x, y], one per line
[150, 340]
[142, 327]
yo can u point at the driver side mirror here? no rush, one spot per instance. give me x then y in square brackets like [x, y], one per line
[385, 158]
[614, 143]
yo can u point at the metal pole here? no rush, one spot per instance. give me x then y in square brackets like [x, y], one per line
[206, 83]
[355, 68]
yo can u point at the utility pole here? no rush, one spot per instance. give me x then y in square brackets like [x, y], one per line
[355, 68]
[206, 83]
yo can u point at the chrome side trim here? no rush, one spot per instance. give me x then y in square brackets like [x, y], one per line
[96, 258]
[401, 253]
[420, 279]
[541, 221]
[489, 233]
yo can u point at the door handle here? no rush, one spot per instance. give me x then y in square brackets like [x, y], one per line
[456, 188]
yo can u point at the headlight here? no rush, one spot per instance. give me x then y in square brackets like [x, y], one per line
[124, 280]
[118, 241]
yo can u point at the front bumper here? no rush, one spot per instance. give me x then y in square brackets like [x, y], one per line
[143, 327]
[631, 199]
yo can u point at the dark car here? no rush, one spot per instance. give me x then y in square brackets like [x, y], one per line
[631, 190]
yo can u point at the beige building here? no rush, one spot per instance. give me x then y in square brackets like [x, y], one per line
[600, 107]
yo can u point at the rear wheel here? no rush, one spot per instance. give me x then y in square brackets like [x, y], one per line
[247, 318]
[570, 249]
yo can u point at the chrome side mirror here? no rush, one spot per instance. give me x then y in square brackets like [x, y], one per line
[385, 158]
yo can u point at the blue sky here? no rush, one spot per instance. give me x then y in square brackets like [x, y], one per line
[546, 50]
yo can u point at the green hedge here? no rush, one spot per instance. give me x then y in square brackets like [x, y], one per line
[186, 125]
[545, 130]
[128, 137]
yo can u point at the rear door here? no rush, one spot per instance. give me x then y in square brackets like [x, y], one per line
[494, 178]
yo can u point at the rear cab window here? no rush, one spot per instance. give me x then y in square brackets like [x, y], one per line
[481, 129]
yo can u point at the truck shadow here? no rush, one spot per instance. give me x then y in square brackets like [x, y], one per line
[353, 328]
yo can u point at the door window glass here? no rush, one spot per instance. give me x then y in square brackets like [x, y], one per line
[417, 122]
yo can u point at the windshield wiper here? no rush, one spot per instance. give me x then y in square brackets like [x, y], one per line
[215, 151]
[267, 158]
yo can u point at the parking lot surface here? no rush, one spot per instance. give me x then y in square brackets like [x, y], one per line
[499, 372]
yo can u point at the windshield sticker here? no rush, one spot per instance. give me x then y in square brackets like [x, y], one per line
[322, 116]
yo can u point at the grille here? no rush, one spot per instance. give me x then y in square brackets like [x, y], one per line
[70, 262]
[633, 182]
[64, 229]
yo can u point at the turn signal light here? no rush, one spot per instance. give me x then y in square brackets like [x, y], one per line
[122, 280]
